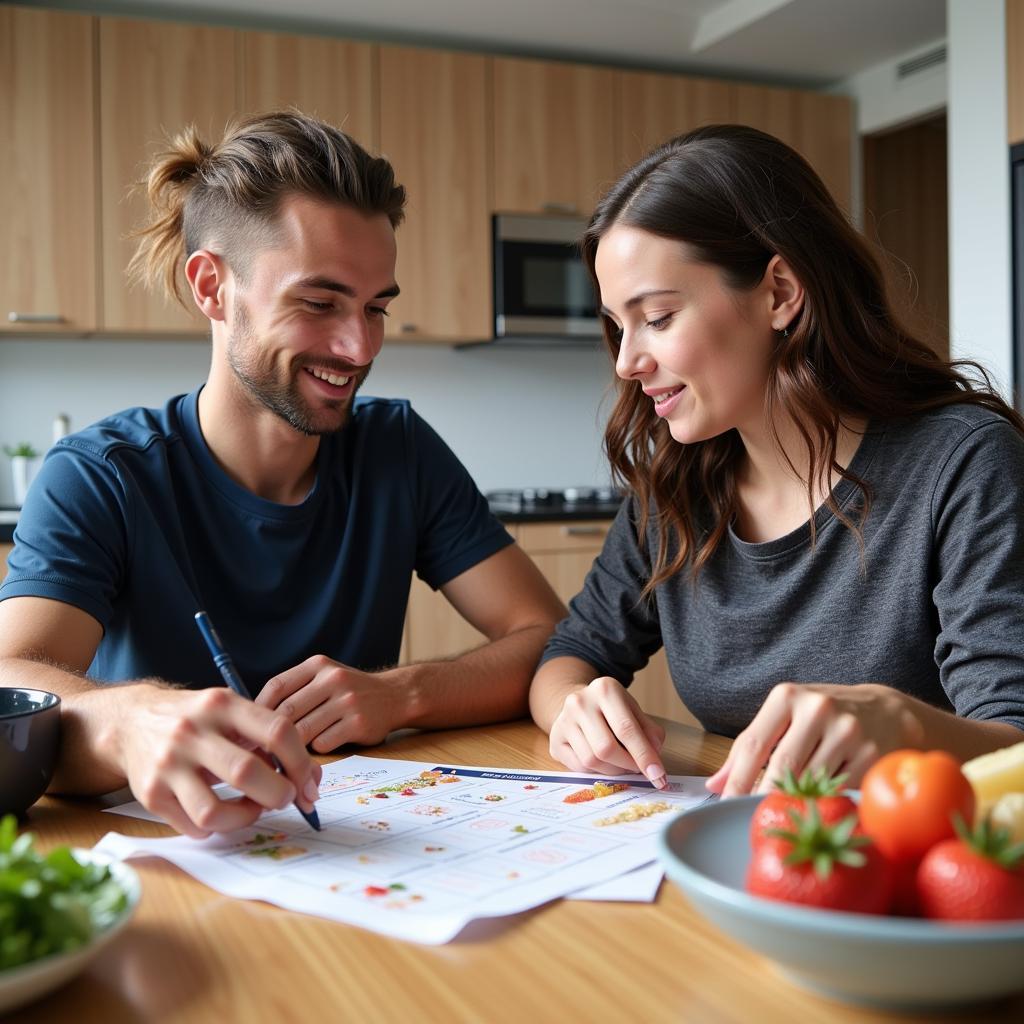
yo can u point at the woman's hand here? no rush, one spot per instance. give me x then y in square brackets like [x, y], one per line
[818, 725]
[601, 729]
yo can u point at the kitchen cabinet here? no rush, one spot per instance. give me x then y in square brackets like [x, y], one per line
[823, 137]
[564, 552]
[155, 77]
[818, 126]
[85, 102]
[433, 628]
[334, 79]
[1015, 70]
[651, 108]
[770, 108]
[554, 143]
[5, 550]
[433, 128]
[48, 277]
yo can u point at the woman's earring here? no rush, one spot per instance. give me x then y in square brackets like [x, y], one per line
[784, 331]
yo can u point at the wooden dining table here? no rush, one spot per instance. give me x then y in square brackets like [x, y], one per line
[191, 954]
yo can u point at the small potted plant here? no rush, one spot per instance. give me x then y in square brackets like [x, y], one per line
[24, 460]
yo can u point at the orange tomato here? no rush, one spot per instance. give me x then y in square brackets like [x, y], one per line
[909, 799]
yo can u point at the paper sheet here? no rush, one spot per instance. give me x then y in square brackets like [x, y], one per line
[418, 850]
[639, 886]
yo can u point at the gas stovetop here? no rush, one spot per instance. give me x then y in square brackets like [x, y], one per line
[546, 503]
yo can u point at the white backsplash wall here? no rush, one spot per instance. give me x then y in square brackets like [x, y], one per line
[516, 417]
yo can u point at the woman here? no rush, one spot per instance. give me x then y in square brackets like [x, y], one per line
[825, 520]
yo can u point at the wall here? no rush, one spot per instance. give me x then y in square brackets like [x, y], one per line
[979, 189]
[516, 418]
[884, 100]
[972, 85]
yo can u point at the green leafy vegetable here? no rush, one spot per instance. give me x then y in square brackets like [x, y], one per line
[50, 904]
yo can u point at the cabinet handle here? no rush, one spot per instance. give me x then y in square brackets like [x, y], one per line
[408, 328]
[584, 531]
[35, 318]
[559, 207]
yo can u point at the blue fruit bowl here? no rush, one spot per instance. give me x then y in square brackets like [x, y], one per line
[884, 962]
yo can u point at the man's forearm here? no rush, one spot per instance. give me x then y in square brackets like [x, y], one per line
[87, 757]
[487, 684]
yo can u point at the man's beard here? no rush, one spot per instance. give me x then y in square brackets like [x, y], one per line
[282, 397]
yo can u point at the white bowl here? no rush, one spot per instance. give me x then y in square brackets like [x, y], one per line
[892, 962]
[20, 985]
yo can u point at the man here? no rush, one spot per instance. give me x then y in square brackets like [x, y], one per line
[291, 512]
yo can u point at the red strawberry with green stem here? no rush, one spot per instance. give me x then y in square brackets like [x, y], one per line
[792, 794]
[978, 876]
[822, 865]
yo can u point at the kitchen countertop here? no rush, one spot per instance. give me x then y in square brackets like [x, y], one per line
[556, 515]
[540, 505]
[565, 513]
[8, 520]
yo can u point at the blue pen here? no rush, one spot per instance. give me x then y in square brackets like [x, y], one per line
[229, 673]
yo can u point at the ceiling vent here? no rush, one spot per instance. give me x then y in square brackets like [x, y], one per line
[929, 59]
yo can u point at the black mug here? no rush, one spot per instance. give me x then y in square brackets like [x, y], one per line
[29, 737]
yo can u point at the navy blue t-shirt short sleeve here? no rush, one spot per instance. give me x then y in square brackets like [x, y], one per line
[133, 521]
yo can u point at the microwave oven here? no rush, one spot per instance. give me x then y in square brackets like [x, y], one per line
[542, 289]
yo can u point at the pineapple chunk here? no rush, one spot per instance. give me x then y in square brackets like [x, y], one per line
[997, 773]
[1008, 813]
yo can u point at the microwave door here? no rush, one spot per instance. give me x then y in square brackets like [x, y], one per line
[542, 287]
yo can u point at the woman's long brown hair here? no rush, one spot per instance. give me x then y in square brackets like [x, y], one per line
[736, 197]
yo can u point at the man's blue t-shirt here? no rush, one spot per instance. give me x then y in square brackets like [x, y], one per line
[134, 522]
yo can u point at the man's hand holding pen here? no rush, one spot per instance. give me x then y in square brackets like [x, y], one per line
[173, 745]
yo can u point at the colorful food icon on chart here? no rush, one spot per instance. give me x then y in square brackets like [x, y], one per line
[392, 897]
[270, 845]
[595, 792]
[424, 780]
[635, 812]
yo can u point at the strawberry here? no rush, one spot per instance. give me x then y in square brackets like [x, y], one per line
[978, 876]
[821, 865]
[793, 794]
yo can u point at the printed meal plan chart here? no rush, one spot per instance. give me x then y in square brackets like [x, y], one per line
[417, 850]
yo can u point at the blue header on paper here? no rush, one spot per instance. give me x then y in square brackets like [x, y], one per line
[525, 777]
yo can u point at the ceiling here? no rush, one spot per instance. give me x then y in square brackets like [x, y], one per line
[798, 41]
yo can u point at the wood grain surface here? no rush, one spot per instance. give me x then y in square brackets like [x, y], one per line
[193, 955]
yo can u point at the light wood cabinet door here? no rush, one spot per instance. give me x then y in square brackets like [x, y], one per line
[5, 550]
[1015, 71]
[652, 108]
[818, 126]
[433, 129]
[332, 79]
[770, 108]
[554, 138]
[47, 172]
[433, 628]
[823, 136]
[566, 570]
[156, 78]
